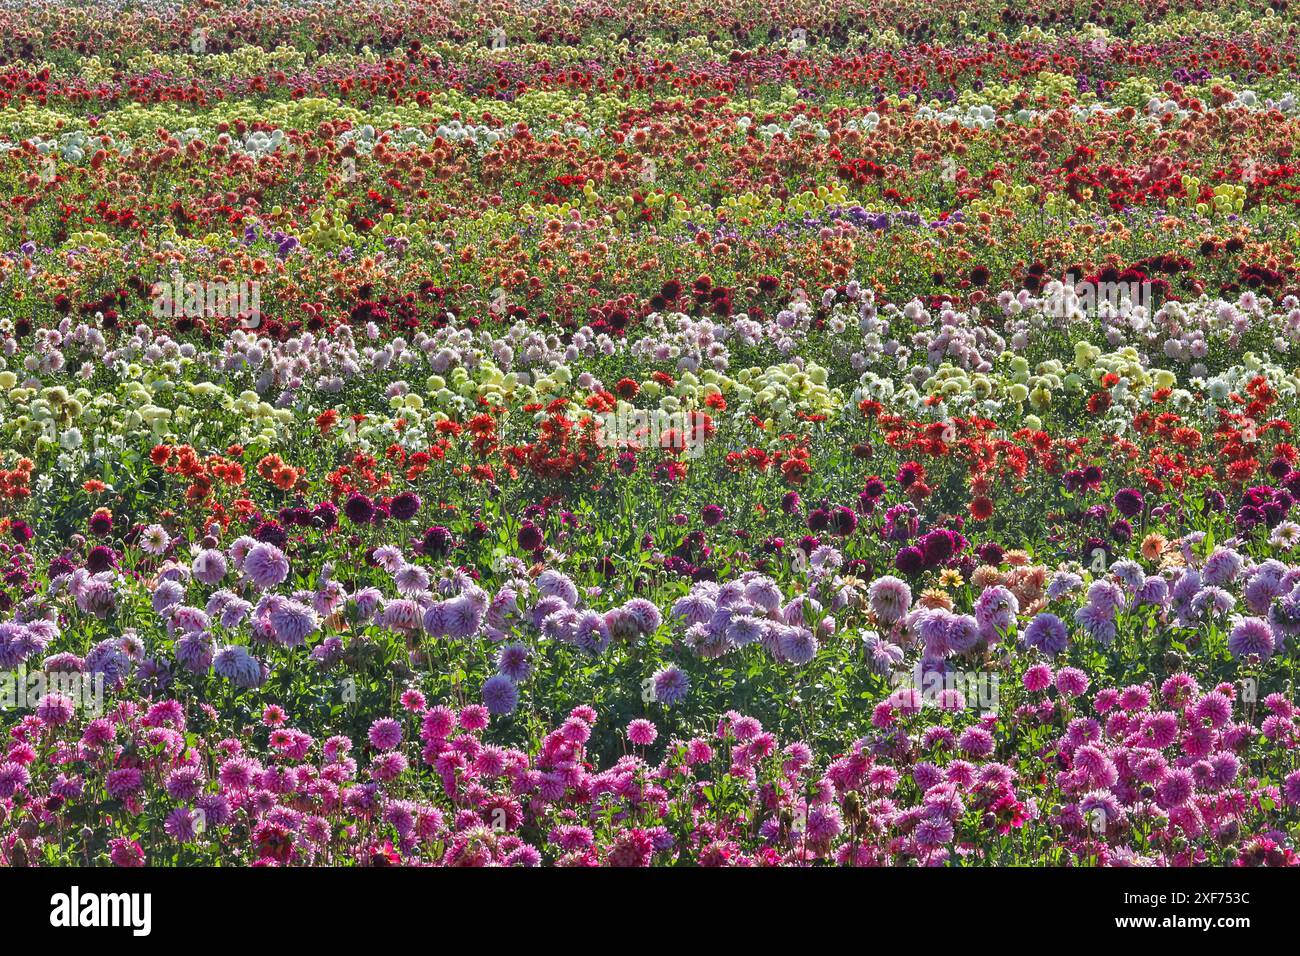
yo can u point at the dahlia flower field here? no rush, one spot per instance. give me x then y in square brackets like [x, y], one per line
[600, 433]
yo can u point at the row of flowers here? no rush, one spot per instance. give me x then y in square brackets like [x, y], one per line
[1130, 776]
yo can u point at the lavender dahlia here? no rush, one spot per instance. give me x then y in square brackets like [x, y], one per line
[500, 695]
